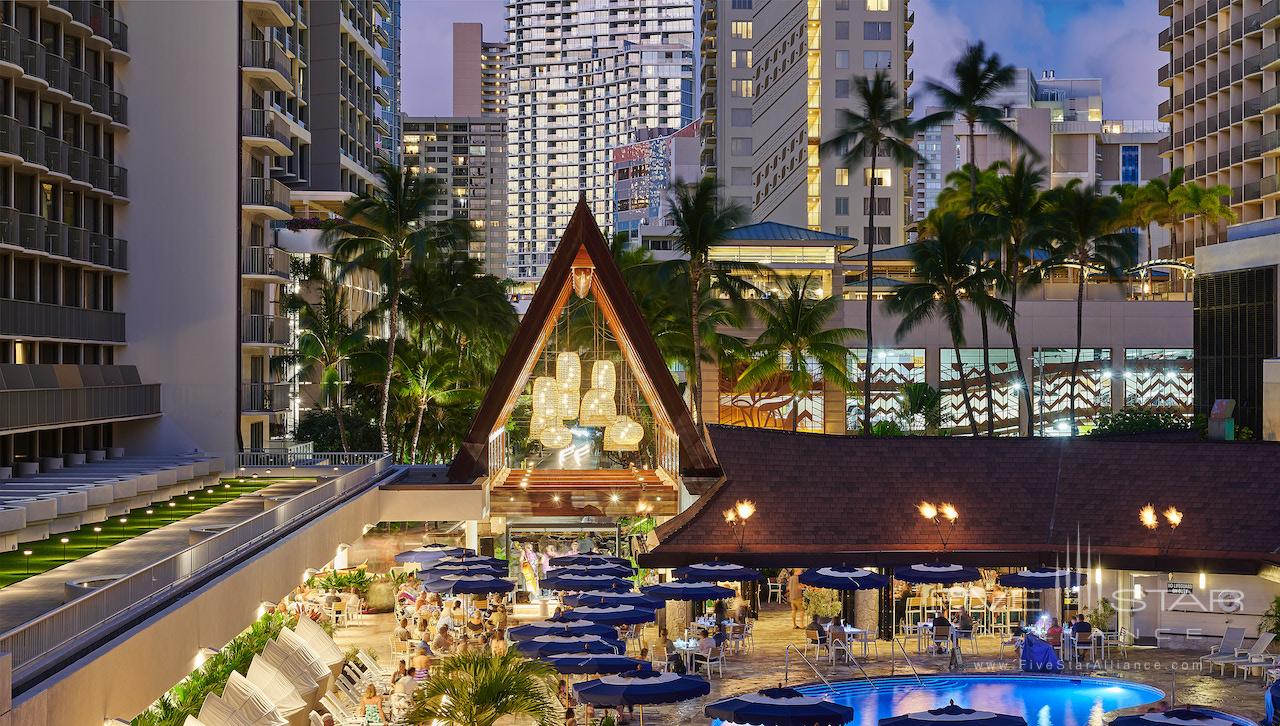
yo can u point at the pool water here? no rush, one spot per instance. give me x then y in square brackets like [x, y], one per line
[1041, 700]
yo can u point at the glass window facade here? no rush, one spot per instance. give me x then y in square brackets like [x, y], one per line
[891, 369]
[772, 404]
[1051, 397]
[1129, 164]
[1005, 386]
[1159, 378]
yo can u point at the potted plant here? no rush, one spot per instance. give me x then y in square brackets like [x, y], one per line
[1100, 617]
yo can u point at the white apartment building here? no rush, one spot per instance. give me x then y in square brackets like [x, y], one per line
[774, 75]
[584, 76]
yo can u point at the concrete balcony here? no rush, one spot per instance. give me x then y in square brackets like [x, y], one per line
[48, 396]
[265, 64]
[266, 262]
[259, 130]
[269, 330]
[119, 108]
[25, 319]
[31, 57]
[264, 397]
[266, 196]
[268, 12]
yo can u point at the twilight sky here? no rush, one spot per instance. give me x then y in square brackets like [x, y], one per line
[1111, 39]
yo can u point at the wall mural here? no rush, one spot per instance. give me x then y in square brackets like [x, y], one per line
[771, 404]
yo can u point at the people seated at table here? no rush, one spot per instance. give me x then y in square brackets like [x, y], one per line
[706, 644]
[475, 625]
[964, 621]
[815, 623]
[941, 625]
[1053, 635]
[442, 644]
[406, 684]
[421, 660]
[399, 672]
[1080, 626]
[402, 632]
[564, 694]
[498, 643]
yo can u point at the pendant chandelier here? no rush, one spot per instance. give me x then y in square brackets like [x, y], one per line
[603, 376]
[598, 408]
[556, 436]
[624, 434]
[544, 406]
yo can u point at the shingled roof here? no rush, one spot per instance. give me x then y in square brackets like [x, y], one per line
[847, 499]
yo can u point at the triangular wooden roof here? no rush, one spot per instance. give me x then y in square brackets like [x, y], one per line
[582, 246]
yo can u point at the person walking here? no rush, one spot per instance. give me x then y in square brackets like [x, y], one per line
[795, 596]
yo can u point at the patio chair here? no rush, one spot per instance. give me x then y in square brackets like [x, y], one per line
[713, 660]
[1119, 639]
[1271, 675]
[1232, 639]
[816, 639]
[839, 644]
[867, 639]
[1014, 643]
[1255, 655]
[749, 635]
[775, 590]
[941, 636]
[399, 647]
[1083, 642]
[967, 635]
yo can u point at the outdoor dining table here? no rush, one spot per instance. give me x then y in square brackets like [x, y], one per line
[849, 633]
[687, 650]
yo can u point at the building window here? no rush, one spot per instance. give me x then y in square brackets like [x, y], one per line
[876, 58]
[883, 177]
[740, 29]
[740, 146]
[880, 234]
[842, 177]
[741, 4]
[842, 88]
[740, 59]
[842, 230]
[840, 4]
[741, 88]
[740, 176]
[842, 59]
[740, 117]
[842, 30]
[842, 205]
[877, 31]
[1129, 164]
[878, 6]
[882, 206]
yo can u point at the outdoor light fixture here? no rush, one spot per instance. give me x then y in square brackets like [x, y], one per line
[582, 281]
[623, 435]
[204, 654]
[737, 518]
[555, 498]
[938, 513]
[613, 498]
[1147, 515]
[64, 542]
[27, 555]
[97, 536]
[643, 507]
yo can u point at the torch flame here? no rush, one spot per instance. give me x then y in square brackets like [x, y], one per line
[1147, 515]
[730, 516]
[927, 510]
[1173, 516]
[949, 512]
[745, 508]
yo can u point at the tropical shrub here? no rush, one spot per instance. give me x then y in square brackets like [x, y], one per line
[887, 429]
[1270, 622]
[1100, 617]
[1140, 419]
[478, 688]
[823, 602]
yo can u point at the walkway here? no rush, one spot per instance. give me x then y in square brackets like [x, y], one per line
[27, 600]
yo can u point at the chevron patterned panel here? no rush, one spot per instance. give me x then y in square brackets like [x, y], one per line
[891, 368]
[1160, 378]
[1052, 381]
[1004, 374]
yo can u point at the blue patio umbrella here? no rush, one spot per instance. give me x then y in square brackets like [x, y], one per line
[611, 614]
[545, 645]
[571, 582]
[1183, 716]
[780, 707]
[936, 573]
[681, 590]
[588, 558]
[953, 714]
[641, 688]
[471, 559]
[474, 568]
[467, 584]
[563, 628]
[597, 598]
[604, 568]
[430, 553]
[843, 578]
[717, 572]
[593, 663]
[1043, 578]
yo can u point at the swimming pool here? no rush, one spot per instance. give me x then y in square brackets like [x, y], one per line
[1042, 700]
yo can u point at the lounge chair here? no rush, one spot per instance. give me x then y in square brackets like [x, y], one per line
[1254, 657]
[1232, 639]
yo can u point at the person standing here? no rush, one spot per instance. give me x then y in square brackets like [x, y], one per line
[795, 596]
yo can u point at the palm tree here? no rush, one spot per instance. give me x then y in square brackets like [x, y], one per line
[948, 267]
[1089, 235]
[1160, 198]
[925, 401]
[479, 689]
[795, 332]
[702, 220]
[1203, 203]
[883, 128]
[977, 78]
[1017, 215]
[387, 230]
[327, 339]
[428, 377]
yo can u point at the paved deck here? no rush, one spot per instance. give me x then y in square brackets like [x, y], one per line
[24, 601]
[763, 667]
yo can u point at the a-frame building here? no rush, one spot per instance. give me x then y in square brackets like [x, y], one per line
[681, 461]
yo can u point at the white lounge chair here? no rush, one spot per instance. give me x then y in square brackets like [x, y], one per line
[321, 644]
[1254, 657]
[241, 704]
[1232, 639]
[279, 689]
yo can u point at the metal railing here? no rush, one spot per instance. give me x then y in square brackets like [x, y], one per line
[893, 661]
[43, 320]
[265, 54]
[259, 123]
[264, 396]
[62, 633]
[281, 457]
[31, 407]
[264, 329]
[264, 261]
[786, 666]
[263, 192]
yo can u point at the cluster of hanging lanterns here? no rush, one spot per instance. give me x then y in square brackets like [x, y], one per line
[556, 400]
